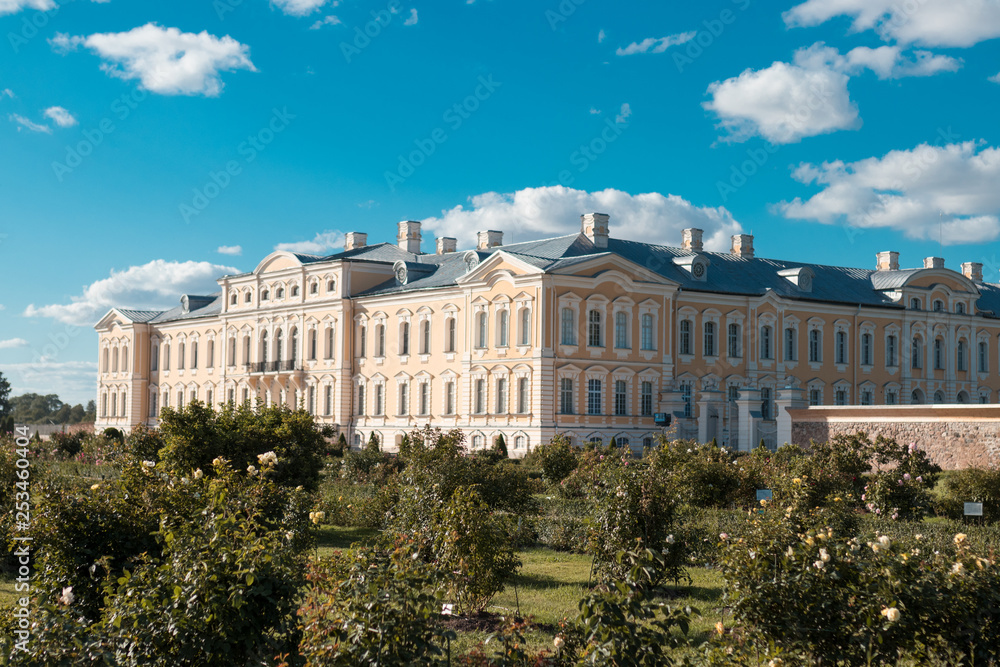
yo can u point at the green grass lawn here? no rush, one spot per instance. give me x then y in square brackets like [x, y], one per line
[7, 595]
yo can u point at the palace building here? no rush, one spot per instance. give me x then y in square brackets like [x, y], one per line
[587, 335]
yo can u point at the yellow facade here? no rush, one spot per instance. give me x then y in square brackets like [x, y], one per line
[585, 335]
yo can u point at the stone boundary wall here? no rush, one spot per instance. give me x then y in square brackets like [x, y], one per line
[954, 436]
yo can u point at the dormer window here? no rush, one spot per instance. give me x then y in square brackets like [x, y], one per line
[915, 304]
[960, 308]
[248, 297]
[295, 290]
[696, 265]
[265, 295]
[281, 293]
[314, 288]
[232, 299]
[801, 277]
[938, 306]
[331, 286]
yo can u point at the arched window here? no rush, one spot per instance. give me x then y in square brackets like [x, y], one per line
[105, 361]
[646, 396]
[938, 397]
[938, 306]
[181, 353]
[525, 326]
[938, 354]
[646, 332]
[916, 354]
[450, 345]
[501, 407]
[425, 337]
[522, 395]
[866, 349]
[362, 341]
[503, 327]
[232, 299]
[211, 354]
[295, 290]
[621, 330]
[960, 308]
[279, 345]
[984, 351]
[568, 327]
[331, 285]
[733, 342]
[329, 342]
[328, 400]
[621, 397]
[265, 295]
[709, 347]
[766, 345]
[263, 346]
[280, 293]
[790, 345]
[380, 340]
[890, 350]
[962, 356]
[404, 340]
[124, 364]
[114, 360]
[166, 358]
[294, 356]
[594, 337]
[815, 345]
[314, 288]
[312, 344]
[248, 297]
[154, 356]
[482, 326]
[685, 337]
[194, 354]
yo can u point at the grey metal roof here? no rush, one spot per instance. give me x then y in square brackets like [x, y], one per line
[140, 316]
[213, 307]
[887, 280]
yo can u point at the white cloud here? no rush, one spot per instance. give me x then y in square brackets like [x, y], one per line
[789, 101]
[329, 20]
[230, 250]
[322, 244]
[60, 116]
[594, 111]
[930, 192]
[12, 342]
[34, 127]
[7, 92]
[601, 36]
[927, 22]
[165, 60]
[299, 7]
[14, 6]
[157, 285]
[412, 19]
[656, 44]
[535, 213]
[995, 78]
[624, 114]
[74, 381]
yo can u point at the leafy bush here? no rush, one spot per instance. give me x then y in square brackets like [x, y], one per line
[197, 434]
[972, 485]
[367, 607]
[889, 598]
[556, 459]
[700, 475]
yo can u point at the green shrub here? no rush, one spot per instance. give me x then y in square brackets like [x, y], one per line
[556, 459]
[972, 485]
[700, 475]
[367, 607]
[197, 434]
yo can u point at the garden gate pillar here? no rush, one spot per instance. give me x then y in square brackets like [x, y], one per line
[789, 398]
[749, 407]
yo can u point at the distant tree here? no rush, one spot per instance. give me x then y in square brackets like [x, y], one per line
[613, 445]
[373, 443]
[5, 407]
[500, 446]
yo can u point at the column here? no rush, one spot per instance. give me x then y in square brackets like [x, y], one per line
[749, 407]
[788, 398]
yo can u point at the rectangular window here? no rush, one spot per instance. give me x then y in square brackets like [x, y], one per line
[866, 398]
[154, 356]
[363, 346]
[891, 353]
[916, 360]
[522, 395]
[866, 349]
[621, 397]
[361, 399]
[501, 407]
[647, 399]
[152, 405]
[593, 397]
[379, 400]
[194, 355]
[685, 337]
[815, 397]
[328, 400]
[709, 350]
[425, 398]
[451, 335]
[181, 353]
[938, 354]
[765, 343]
[568, 330]
[688, 400]
[815, 346]
[404, 339]
[841, 347]
[329, 342]
[312, 399]
[962, 363]
[379, 340]
[734, 341]
[890, 398]
[504, 328]
[766, 405]
[483, 327]
[425, 337]
[647, 332]
[480, 397]
[566, 406]
[594, 335]
[790, 354]
[983, 357]
[449, 397]
[525, 326]
[166, 357]
[621, 330]
[404, 399]
[840, 397]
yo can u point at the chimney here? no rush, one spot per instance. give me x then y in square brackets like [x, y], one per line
[691, 240]
[743, 245]
[887, 261]
[595, 227]
[446, 244]
[973, 271]
[489, 239]
[934, 263]
[408, 238]
[355, 240]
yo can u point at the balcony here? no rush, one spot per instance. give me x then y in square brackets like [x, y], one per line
[286, 366]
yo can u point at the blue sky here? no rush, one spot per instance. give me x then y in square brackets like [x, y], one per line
[150, 147]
